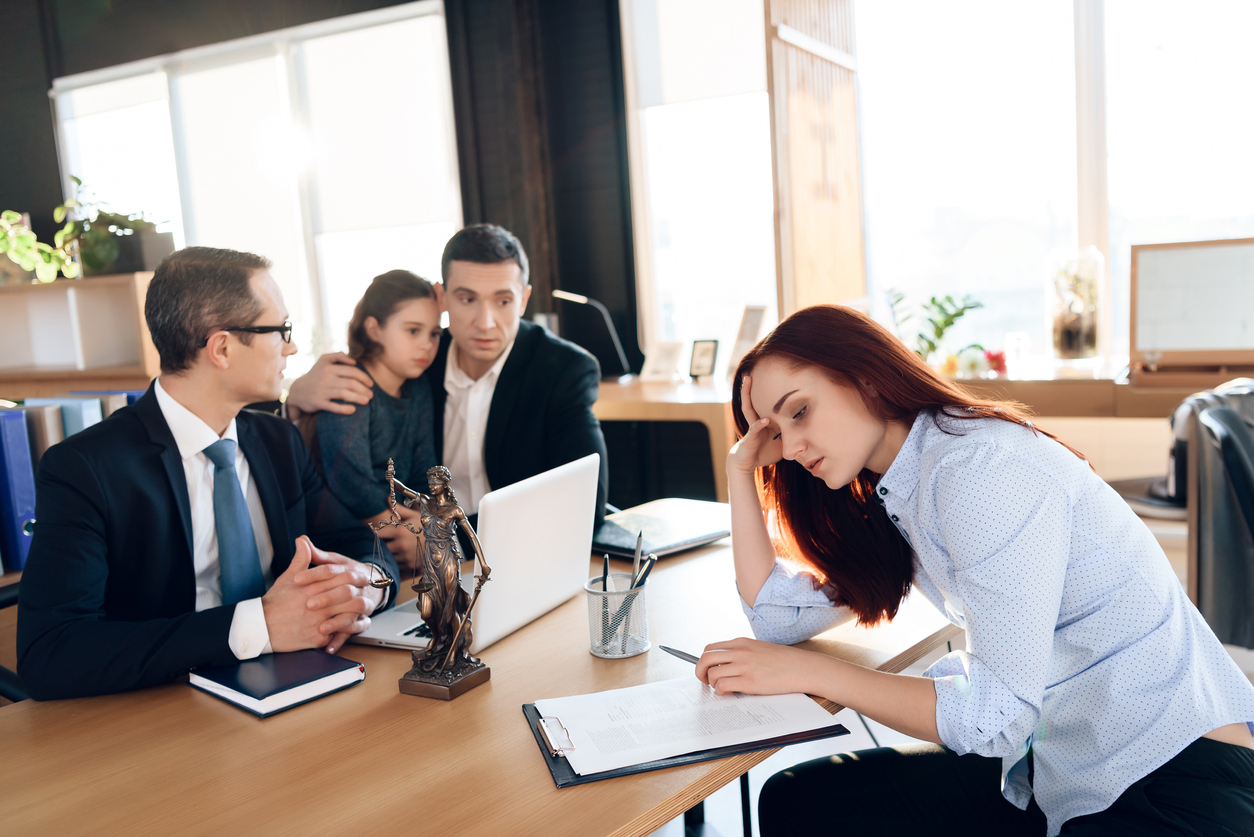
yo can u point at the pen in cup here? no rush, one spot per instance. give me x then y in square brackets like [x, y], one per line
[635, 564]
[639, 579]
[605, 602]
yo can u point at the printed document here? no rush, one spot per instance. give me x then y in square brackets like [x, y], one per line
[630, 726]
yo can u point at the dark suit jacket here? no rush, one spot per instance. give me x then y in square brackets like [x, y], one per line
[541, 413]
[108, 599]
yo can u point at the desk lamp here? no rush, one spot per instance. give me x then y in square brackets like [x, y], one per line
[566, 296]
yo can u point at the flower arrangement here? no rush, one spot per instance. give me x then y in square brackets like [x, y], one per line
[974, 362]
[941, 313]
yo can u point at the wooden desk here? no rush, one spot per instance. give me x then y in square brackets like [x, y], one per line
[172, 760]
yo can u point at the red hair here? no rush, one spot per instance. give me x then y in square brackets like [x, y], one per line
[841, 536]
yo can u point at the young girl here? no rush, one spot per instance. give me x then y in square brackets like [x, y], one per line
[393, 336]
[1092, 696]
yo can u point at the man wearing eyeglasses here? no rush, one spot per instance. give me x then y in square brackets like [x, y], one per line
[182, 531]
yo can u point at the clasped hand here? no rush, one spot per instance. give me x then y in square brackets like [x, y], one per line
[320, 600]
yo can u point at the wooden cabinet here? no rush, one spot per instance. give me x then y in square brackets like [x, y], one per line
[74, 335]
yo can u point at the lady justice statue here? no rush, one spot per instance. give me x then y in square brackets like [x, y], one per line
[445, 669]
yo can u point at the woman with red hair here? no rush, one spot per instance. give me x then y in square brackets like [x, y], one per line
[1091, 698]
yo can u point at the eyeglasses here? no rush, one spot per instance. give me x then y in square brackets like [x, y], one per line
[285, 331]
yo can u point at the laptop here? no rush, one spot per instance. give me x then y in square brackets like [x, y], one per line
[537, 538]
[669, 525]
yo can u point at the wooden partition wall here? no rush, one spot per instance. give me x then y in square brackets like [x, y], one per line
[811, 79]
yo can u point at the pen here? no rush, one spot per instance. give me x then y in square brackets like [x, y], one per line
[687, 658]
[644, 574]
[605, 601]
[635, 564]
[637, 577]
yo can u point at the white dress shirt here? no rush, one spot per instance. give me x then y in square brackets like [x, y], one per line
[1081, 643]
[248, 637]
[465, 423]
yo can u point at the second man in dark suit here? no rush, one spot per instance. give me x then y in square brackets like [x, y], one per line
[511, 399]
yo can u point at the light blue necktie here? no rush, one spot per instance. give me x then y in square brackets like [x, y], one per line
[238, 563]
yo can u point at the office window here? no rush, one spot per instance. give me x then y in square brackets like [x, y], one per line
[377, 209]
[1180, 126]
[328, 148]
[240, 174]
[119, 131]
[968, 122]
[700, 147]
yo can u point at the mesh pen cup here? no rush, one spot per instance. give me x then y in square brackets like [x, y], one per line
[618, 620]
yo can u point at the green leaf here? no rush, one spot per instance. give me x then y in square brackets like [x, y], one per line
[58, 214]
[77, 182]
[45, 272]
[27, 261]
[11, 216]
[70, 269]
[5, 244]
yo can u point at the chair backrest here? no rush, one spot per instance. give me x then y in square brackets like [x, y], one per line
[1230, 433]
[1221, 519]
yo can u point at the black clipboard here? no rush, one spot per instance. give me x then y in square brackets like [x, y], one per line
[564, 777]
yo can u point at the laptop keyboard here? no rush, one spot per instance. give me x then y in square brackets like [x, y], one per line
[420, 630]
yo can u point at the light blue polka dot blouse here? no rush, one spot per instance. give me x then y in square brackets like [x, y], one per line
[1081, 643]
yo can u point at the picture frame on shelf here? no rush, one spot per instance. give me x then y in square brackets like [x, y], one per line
[704, 354]
[661, 362]
[751, 322]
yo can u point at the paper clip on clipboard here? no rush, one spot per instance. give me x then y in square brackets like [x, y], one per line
[556, 738]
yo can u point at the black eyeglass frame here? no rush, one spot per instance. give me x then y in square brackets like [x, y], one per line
[284, 331]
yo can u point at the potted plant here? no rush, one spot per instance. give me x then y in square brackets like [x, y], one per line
[18, 242]
[112, 242]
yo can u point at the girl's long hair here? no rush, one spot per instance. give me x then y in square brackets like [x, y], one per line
[842, 536]
[385, 294]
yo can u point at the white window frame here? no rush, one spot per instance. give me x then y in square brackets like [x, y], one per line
[282, 43]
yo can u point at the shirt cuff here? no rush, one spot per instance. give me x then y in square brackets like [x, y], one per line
[389, 595]
[975, 712]
[249, 636]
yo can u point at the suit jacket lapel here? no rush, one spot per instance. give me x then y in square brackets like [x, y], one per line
[435, 372]
[261, 468]
[148, 411]
[509, 387]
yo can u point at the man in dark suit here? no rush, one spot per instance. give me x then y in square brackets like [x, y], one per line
[511, 399]
[181, 531]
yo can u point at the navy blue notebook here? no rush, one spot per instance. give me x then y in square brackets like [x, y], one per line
[274, 682]
[17, 491]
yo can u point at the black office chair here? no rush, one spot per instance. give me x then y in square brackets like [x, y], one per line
[1226, 524]
[10, 684]
[1230, 433]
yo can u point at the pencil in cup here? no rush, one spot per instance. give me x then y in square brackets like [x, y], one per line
[625, 633]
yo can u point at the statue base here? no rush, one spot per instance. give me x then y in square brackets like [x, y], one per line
[445, 686]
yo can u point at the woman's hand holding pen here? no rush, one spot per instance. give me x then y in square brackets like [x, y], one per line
[753, 667]
[758, 447]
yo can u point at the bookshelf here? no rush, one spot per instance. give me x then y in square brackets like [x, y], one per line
[75, 334]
